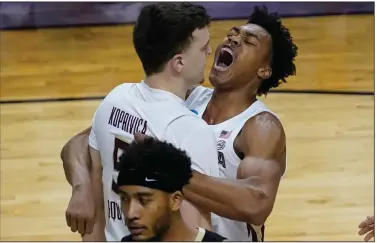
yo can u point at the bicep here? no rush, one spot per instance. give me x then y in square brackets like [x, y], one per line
[263, 173]
[263, 140]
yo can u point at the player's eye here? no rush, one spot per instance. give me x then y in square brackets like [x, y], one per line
[144, 200]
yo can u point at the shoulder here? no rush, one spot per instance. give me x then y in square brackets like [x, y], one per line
[190, 122]
[119, 89]
[190, 126]
[265, 123]
[264, 133]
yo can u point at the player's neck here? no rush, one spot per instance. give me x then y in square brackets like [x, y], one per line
[167, 83]
[235, 101]
[180, 231]
[239, 97]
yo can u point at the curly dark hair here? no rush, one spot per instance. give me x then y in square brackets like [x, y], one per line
[163, 30]
[158, 157]
[283, 50]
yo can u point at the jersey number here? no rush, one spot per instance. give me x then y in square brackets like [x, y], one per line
[118, 145]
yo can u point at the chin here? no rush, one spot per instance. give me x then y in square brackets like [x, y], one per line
[219, 78]
[141, 238]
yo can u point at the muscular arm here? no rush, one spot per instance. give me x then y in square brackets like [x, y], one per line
[98, 233]
[76, 160]
[250, 197]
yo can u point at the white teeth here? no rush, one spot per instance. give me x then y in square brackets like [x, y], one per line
[227, 49]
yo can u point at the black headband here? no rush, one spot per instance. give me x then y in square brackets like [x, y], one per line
[144, 177]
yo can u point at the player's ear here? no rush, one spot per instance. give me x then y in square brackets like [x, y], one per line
[176, 199]
[177, 62]
[264, 72]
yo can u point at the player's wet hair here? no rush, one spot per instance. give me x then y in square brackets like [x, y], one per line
[168, 168]
[163, 30]
[283, 51]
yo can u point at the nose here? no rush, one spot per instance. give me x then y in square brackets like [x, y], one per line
[133, 211]
[209, 50]
[234, 40]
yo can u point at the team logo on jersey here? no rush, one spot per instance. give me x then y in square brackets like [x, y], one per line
[221, 159]
[221, 144]
[195, 112]
[225, 134]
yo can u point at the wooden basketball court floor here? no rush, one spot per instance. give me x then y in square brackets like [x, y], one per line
[328, 188]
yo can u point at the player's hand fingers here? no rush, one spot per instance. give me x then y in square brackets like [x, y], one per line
[68, 218]
[369, 220]
[89, 226]
[365, 230]
[73, 224]
[81, 226]
[369, 236]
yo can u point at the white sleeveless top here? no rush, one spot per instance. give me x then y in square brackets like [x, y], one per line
[228, 160]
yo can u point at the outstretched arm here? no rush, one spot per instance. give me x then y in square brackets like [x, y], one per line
[250, 197]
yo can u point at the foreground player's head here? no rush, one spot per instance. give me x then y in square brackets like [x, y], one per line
[258, 55]
[173, 38]
[152, 175]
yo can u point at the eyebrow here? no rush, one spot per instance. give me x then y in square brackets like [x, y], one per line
[246, 33]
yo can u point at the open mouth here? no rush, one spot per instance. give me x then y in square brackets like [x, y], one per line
[225, 58]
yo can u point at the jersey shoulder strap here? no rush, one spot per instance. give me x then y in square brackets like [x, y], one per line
[212, 237]
[198, 96]
[127, 238]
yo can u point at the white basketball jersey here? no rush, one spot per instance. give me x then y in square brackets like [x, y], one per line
[228, 160]
[127, 109]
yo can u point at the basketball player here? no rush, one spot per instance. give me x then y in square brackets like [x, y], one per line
[367, 226]
[151, 177]
[172, 42]
[251, 144]
[252, 59]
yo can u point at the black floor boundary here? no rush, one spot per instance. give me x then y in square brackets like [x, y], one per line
[65, 99]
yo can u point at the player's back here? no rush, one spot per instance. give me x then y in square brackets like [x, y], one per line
[131, 108]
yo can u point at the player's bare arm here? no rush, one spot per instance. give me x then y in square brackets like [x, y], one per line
[251, 197]
[77, 162]
[76, 159]
[98, 233]
[194, 217]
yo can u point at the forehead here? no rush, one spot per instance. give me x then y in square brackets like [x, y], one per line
[255, 29]
[135, 190]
